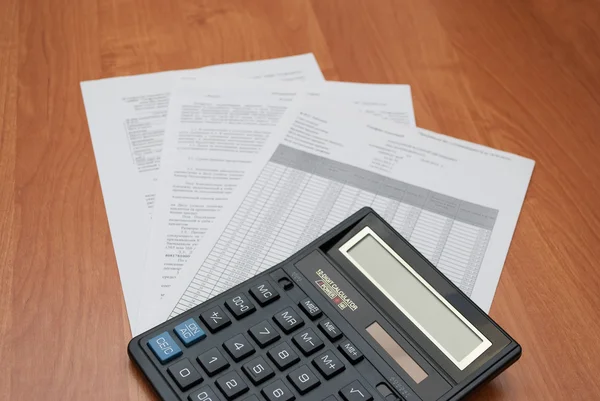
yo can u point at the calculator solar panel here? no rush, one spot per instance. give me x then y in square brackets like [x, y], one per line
[318, 326]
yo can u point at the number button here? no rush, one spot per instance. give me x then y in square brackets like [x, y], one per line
[164, 347]
[304, 379]
[238, 347]
[258, 370]
[288, 320]
[215, 319]
[283, 356]
[264, 293]
[213, 362]
[331, 330]
[240, 306]
[350, 352]
[189, 332]
[308, 342]
[264, 334]
[328, 364]
[184, 374]
[204, 394]
[355, 392]
[277, 391]
[231, 385]
[311, 310]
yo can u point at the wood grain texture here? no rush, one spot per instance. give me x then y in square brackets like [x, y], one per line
[521, 76]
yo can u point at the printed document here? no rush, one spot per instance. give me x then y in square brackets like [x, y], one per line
[457, 202]
[126, 118]
[214, 131]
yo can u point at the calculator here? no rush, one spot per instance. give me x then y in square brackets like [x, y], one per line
[357, 315]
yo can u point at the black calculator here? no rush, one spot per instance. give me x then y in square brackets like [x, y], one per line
[357, 315]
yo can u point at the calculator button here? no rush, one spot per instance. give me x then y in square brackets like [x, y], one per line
[204, 394]
[264, 293]
[355, 392]
[164, 347]
[304, 379]
[258, 370]
[283, 356]
[213, 362]
[189, 332]
[184, 374]
[277, 391]
[240, 306]
[311, 310]
[331, 330]
[328, 364]
[351, 353]
[215, 319]
[288, 319]
[308, 342]
[264, 334]
[238, 347]
[232, 385]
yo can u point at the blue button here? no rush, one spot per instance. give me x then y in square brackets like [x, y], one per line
[164, 347]
[189, 332]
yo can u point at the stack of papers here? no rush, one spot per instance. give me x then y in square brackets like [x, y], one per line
[210, 176]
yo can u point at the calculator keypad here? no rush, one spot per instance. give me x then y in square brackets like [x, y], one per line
[305, 358]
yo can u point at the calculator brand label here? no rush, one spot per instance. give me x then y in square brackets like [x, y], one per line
[331, 289]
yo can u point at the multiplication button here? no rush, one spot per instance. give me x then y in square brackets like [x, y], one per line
[264, 293]
[215, 319]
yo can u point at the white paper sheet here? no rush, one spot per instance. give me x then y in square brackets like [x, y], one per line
[126, 117]
[197, 175]
[457, 202]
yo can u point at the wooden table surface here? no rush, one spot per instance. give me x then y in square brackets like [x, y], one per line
[521, 76]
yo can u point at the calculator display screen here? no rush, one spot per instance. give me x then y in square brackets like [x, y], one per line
[460, 341]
